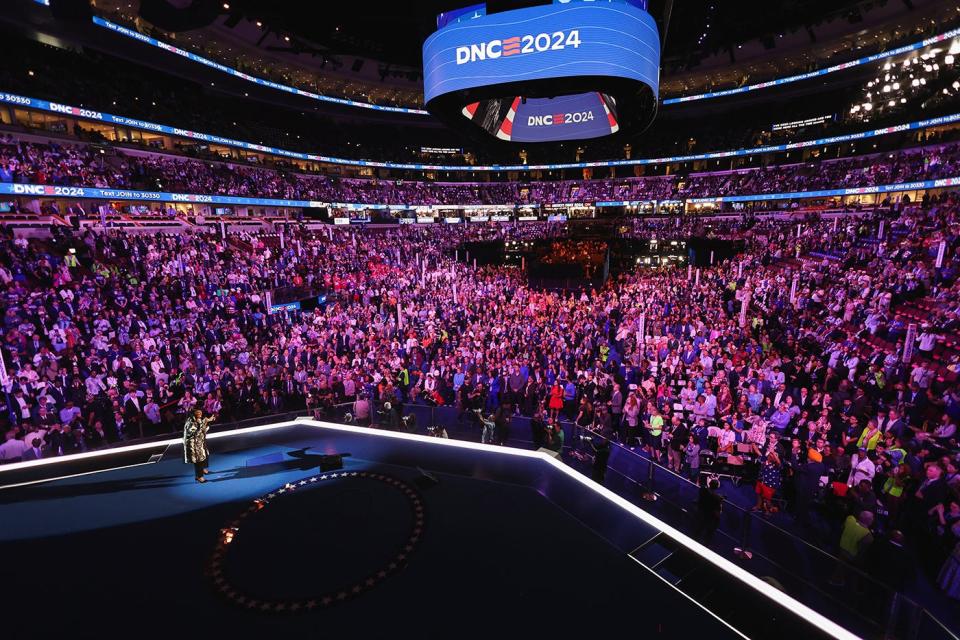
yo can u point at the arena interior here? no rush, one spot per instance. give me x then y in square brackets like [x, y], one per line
[558, 317]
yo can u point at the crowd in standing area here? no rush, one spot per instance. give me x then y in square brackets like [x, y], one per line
[112, 336]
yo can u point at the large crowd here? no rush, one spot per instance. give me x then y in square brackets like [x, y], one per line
[77, 165]
[820, 364]
[108, 337]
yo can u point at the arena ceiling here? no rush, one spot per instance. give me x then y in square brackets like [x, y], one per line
[393, 31]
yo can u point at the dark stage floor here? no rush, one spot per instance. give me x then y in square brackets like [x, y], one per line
[129, 550]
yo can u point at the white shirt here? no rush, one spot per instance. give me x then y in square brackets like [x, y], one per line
[860, 470]
[922, 376]
[927, 341]
[12, 449]
[94, 385]
[726, 438]
[24, 407]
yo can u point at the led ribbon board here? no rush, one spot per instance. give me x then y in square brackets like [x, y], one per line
[97, 193]
[818, 72]
[166, 46]
[563, 71]
[143, 125]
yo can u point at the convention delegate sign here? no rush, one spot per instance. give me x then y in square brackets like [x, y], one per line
[562, 71]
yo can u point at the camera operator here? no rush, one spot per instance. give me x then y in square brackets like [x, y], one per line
[501, 420]
[313, 404]
[437, 431]
[538, 429]
[601, 456]
[709, 506]
[394, 415]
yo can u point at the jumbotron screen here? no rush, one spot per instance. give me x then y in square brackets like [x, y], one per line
[574, 117]
[570, 70]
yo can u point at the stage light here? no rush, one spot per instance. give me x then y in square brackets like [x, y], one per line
[948, 59]
[896, 86]
[956, 84]
[891, 103]
[886, 88]
[915, 83]
[886, 67]
[226, 6]
[867, 106]
[954, 48]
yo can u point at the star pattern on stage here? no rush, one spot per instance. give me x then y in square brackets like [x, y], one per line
[261, 504]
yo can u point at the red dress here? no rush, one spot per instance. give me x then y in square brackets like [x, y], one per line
[556, 397]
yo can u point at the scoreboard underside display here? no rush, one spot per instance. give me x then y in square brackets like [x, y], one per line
[560, 70]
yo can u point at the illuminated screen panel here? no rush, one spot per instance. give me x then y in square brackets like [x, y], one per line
[559, 41]
[574, 117]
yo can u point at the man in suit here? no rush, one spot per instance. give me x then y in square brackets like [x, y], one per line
[894, 424]
[780, 395]
[807, 481]
[916, 404]
[56, 390]
[133, 408]
[35, 452]
[859, 402]
[22, 406]
[33, 345]
[276, 403]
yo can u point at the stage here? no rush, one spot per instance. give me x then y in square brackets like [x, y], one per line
[488, 541]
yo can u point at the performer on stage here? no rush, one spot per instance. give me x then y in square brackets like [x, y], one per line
[195, 443]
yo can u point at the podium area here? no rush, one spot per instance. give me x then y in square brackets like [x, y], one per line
[411, 536]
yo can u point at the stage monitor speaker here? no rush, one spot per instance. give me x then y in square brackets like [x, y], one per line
[332, 462]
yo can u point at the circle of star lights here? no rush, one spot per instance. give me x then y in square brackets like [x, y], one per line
[322, 600]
